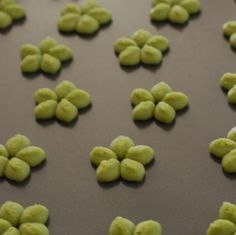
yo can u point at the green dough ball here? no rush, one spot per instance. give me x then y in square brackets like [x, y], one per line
[108, 170]
[87, 25]
[228, 80]
[130, 56]
[122, 43]
[158, 42]
[50, 64]
[46, 44]
[140, 37]
[4, 225]
[232, 134]
[121, 226]
[177, 100]
[34, 214]
[233, 40]
[44, 94]
[151, 55]
[160, 12]
[11, 231]
[229, 28]
[66, 111]
[221, 146]
[88, 5]
[178, 15]
[155, 2]
[3, 151]
[17, 170]
[29, 49]
[131, 170]
[68, 22]
[4, 3]
[101, 14]
[32, 155]
[231, 95]
[71, 8]
[120, 145]
[61, 52]
[31, 63]
[64, 88]
[3, 164]
[11, 211]
[33, 229]
[143, 111]
[228, 212]
[139, 95]
[192, 6]
[46, 109]
[100, 153]
[221, 227]
[16, 11]
[5, 20]
[229, 162]
[80, 98]
[159, 90]
[16, 143]
[140, 153]
[149, 227]
[164, 113]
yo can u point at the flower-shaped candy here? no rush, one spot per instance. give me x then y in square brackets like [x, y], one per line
[142, 47]
[47, 57]
[9, 12]
[229, 30]
[86, 19]
[176, 11]
[228, 82]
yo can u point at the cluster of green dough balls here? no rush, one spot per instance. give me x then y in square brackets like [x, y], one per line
[225, 149]
[226, 224]
[176, 11]
[48, 56]
[161, 102]
[84, 19]
[142, 47]
[228, 82]
[17, 220]
[123, 226]
[64, 102]
[18, 156]
[229, 30]
[121, 159]
[10, 11]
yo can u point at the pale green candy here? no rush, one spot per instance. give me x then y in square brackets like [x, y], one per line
[159, 90]
[155, 2]
[160, 12]
[101, 14]
[46, 109]
[46, 44]
[11, 211]
[16, 143]
[120, 145]
[221, 227]
[61, 52]
[64, 88]
[229, 28]
[4, 3]
[31, 63]
[221, 146]
[5, 20]
[122, 43]
[80, 98]
[228, 80]
[88, 5]
[140, 153]
[178, 100]
[68, 22]
[11, 231]
[87, 25]
[139, 95]
[121, 226]
[16, 11]
[44, 94]
[66, 111]
[143, 111]
[178, 15]
[149, 227]
[33, 229]
[130, 56]
[164, 113]
[233, 40]
[29, 49]
[232, 134]
[3, 164]
[35, 214]
[108, 170]
[32, 155]
[50, 64]
[229, 162]
[4, 225]
[159, 42]
[151, 55]
[192, 6]
[3, 151]
[17, 170]
[131, 170]
[231, 95]
[71, 8]
[228, 211]
[140, 37]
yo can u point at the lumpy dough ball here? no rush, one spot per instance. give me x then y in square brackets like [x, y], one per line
[177, 100]
[50, 64]
[233, 40]
[71, 8]
[68, 22]
[44, 94]
[192, 6]
[3, 151]
[3, 164]
[232, 134]
[130, 56]
[61, 52]
[101, 14]
[33, 229]
[87, 25]
[29, 49]
[139, 95]
[46, 44]
[121, 226]
[122, 43]
[229, 28]
[4, 3]
[140, 37]
[164, 113]
[231, 95]
[159, 90]
[227, 211]
[159, 42]
[151, 55]
[229, 162]
[143, 111]
[11, 231]
[222, 227]
[16, 11]
[4, 225]
[5, 20]
[178, 15]
[31, 63]
[86, 6]
[228, 80]
[160, 12]
[149, 227]
[80, 98]
[45, 110]
[64, 88]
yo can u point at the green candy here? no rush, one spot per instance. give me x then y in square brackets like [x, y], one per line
[44, 94]
[122, 43]
[143, 111]
[160, 12]
[50, 64]
[227, 211]
[64, 88]
[3, 151]
[4, 3]
[11, 211]
[5, 20]
[149, 227]
[87, 25]
[228, 80]
[158, 42]
[229, 28]
[130, 56]
[229, 162]
[139, 95]
[46, 109]
[131, 170]
[71, 8]
[140, 37]
[159, 91]
[178, 15]
[151, 55]
[155, 2]
[68, 22]
[4, 225]
[66, 111]
[80, 98]
[16, 11]
[17, 170]
[177, 100]
[61, 52]
[164, 113]
[11, 231]
[29, 49]
[31, 63]
[3, 164]
[88, 5]
[101, 14]
[192, 6]
[233, 40]
[221, 146]
[232, 134]
[33, 229]
[121, 226]
[221, 227]
[231, 95]
[46, 44]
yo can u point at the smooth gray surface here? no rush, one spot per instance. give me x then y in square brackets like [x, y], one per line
[185, 187]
